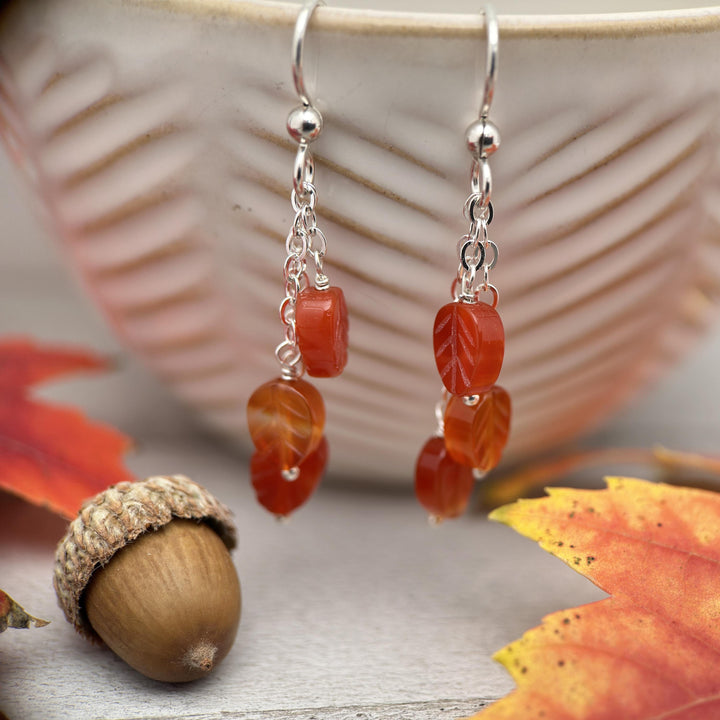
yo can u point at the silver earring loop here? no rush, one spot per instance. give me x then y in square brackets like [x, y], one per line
[301, 25]
[492, 35]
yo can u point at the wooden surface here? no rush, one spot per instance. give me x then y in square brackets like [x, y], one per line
[354, 606]
[354, 609]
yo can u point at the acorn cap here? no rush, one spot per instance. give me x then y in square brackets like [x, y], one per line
[116, 517]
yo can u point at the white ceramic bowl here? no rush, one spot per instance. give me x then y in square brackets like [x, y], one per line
[154, 135]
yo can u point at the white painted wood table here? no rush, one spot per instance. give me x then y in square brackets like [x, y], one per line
[354, 609]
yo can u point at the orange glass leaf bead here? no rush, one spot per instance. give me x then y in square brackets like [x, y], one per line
[281, 496]
[475, 435]
[469, 342]
[442, 485]
[286, 418]
[322, 330]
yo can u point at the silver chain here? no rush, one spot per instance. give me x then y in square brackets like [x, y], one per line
[295, 277]
[477, 254]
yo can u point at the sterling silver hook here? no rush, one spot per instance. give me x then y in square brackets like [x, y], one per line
[301, 25]
[492, 35]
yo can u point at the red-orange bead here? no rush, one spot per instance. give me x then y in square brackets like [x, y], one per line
[475, 435]
[469, 342]
[442, 486]
[322, 330]
[286, 418]
[281, 496]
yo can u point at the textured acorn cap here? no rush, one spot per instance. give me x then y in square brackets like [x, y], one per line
[116, 517]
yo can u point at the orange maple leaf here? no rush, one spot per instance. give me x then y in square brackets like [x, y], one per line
[52, 456]
[652, 650]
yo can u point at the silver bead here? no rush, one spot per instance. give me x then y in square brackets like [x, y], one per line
[471, 400]
[304, 123]
[482, 138]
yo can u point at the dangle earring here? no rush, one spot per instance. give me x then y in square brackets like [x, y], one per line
[286, 416]
[469, 340]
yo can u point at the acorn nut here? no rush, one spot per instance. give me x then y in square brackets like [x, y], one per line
[146, 568]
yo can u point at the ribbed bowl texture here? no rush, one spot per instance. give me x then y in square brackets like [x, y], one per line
[153, 136]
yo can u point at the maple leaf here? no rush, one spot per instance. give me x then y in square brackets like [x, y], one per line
[651, 650]
[14, 616]
[52, 456]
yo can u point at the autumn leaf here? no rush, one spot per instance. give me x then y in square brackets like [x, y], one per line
[23, 363]
[52, 456]
[651, 650]
[12, 615]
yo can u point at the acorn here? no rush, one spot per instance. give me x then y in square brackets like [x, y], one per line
[146, 569]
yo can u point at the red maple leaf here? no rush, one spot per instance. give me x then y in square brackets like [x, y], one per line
[52, 456]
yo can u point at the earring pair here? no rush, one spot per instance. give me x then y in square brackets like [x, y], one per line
[286, 415]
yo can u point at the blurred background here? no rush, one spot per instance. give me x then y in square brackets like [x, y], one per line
[40, 296]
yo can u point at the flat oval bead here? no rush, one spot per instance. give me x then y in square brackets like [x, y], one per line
[469, 343]
[286, 417]
[476, 435]
[281, 496]
[442, 486]
[321, 319]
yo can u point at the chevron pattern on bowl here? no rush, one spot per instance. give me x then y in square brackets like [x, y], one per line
[158, 154]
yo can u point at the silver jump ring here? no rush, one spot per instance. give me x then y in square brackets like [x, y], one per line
[304, 170]
[495, 252]
[481, 180]
[476, 264]
[288, 354]
[492, 34]
[318, 241]
[296, 246]
[292, 287]
[301, 26]
[308, 197]
[491, 289]
[475, 211]
[305, 220]
[469, 238]
[287, 311]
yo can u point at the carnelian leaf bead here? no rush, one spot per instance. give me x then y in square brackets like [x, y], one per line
[279, 495]
[475, 435]
[286, 418]
[442, 485]
[469, 343]
[321, 319]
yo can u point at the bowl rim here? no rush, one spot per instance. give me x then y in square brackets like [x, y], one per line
[353, 21]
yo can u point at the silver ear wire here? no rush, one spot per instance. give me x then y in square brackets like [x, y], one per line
[492, 36]
[301, 25]
[304, 123]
